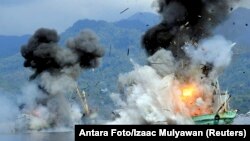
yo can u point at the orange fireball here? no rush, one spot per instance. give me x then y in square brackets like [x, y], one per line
[189, 93]
[192, 96]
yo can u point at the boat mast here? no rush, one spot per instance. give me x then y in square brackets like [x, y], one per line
[83, 100]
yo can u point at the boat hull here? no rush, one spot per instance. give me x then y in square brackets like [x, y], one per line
[224, 118]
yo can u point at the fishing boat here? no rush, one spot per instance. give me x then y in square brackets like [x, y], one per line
[217, 112]
[223, 116]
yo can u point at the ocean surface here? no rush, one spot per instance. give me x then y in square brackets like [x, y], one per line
[39, 136]
[243, 119]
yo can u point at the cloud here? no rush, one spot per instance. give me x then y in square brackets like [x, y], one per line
[24, 18]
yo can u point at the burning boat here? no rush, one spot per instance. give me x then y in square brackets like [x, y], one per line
[188, 36]
[224, 115]
[220, 113]
[223, 118]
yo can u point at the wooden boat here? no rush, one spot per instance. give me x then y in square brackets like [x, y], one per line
[223, 116]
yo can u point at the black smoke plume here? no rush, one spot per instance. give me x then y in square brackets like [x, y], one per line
[184, 21]
[40, 51]
[43, 54]
[56, 70]
[86, 46]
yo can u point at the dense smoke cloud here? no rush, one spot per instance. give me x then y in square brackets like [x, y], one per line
[9, 111]
[184, 21]
[86, 46]
[149, 99]
[55, 71]
[42, 53]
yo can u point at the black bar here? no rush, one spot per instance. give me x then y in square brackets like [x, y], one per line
[173, 132]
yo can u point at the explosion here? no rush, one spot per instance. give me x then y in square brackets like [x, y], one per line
[193, 98]
[184, 62]
[56, 70]
[175, 97]
[189, 93]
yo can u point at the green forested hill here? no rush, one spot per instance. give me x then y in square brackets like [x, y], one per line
[124, 35]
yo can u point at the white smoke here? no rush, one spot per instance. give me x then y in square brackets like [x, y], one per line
[216, 50]
[29, 94]
[9, 111]
[58, 84]
[163, 62]
[149, 99]
[38, 109]
[42, 111]
[242, 3]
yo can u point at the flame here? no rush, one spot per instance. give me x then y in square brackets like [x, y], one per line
[190, 92]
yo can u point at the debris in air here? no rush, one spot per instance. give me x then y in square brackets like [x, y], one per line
[128, 52]
[124, 10]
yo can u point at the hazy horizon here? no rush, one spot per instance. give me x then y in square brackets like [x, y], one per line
[24, 17]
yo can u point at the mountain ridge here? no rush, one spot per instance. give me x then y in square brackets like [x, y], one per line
[122, 36]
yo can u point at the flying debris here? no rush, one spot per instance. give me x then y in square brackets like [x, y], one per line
[128, 52]
[124, 10]
[115, 115]
[206, 69]
[232, 45]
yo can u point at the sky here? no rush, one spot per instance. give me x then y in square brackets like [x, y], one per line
[19, 17]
